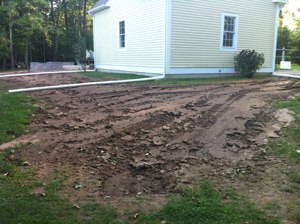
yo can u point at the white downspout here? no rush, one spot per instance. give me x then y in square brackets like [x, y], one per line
[85, 84]
[167, 35]
[278, 7]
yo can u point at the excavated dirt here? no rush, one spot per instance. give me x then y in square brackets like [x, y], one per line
[122, 141]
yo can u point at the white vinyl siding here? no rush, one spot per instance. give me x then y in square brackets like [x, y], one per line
[196, 31]
[144, 36]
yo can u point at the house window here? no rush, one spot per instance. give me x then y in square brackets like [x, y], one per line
[122, 33]
[229, 32]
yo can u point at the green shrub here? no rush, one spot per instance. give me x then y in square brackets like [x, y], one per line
[247, 62]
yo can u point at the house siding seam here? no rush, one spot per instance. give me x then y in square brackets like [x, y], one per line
[196, 31]
[144, 35]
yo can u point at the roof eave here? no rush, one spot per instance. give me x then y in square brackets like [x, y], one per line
[281, 2]
[95, 10]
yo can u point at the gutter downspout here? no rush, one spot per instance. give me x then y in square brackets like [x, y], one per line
[167, 36]
[168, 33]
[278, 8]
[85, 84]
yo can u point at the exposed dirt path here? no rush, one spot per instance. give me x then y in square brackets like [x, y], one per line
[125, 140]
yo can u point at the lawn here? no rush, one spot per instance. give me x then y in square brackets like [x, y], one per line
[202, 204]
[295, 67]
[182, 81]
[111, 76]
[15, 112]
[288, 147]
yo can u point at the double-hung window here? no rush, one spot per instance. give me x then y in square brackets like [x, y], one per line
[229, 32]
[122, 34]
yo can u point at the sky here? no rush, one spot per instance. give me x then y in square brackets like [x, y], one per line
[292, 8]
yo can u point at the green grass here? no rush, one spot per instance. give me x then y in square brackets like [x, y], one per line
[202, 204]
[111, 76]
[295, 67]
[15, 112]
[290, 143]
[288, 146]
[181, 81]
[196, 81]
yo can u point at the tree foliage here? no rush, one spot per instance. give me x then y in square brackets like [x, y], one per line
[44, 30]
[290, 40]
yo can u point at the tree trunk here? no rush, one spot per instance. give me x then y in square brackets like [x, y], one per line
[80, 32]
[3, 63]
[30, 51]
[84, 26]
[80, 17]
[66, 15]
[55, 26]
[11, 47]
[52, 12]
[44, 48]
[26, 54]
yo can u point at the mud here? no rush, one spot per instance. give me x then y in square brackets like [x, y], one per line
[146, 140]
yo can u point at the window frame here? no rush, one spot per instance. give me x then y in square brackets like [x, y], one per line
[122, 35]
[236, 32]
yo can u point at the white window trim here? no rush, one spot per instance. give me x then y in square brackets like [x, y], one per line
[119, 43]
[236, 36]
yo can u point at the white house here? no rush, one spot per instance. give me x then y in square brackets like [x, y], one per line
[183, 36]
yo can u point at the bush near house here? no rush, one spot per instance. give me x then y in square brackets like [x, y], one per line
[247, 62]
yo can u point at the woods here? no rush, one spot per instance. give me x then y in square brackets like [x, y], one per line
[61, 30]
[44, 30]
[289, 39]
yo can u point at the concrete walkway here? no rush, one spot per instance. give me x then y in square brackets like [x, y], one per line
[288, 72]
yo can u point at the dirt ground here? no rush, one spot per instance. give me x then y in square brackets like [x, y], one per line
[115, 143]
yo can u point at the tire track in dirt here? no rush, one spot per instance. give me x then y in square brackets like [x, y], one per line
[125, 140]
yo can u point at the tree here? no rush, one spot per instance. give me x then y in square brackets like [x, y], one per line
[295, 43]
[4, 49]
[43, 30]
[10, 13]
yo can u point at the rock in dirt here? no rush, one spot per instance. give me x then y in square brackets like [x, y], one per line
[128, 138]
[77, 186]
[106, 157]
[25, 163]
[39, 192]
[166, 128]
[157, 141]
[140, 165]
[107, 197]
